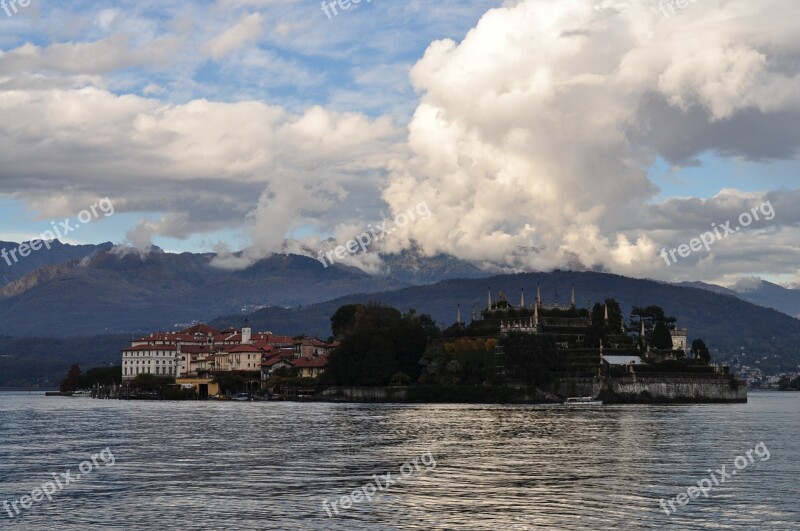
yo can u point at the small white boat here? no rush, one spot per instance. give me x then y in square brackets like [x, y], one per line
[82, 393]
[582, 401]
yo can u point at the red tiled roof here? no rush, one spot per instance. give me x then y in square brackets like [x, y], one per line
[274, 360]
[141, 348]
[308, 363]
[274, 340]
[263, 345]
[244, 348]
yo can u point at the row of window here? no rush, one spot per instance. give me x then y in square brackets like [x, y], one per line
[147, 353]
[168, 371]
[124, 362]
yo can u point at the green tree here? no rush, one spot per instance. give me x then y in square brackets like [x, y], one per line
[651, 316]
[344, 320]
[379, 343]
[427, 322]
[150, 382]
[530, 358]
[230, 383]
[662, 339]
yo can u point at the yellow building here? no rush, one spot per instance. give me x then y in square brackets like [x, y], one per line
[205, 387]
[310, 367]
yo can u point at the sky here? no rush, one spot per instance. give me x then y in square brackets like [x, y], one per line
[591, 134]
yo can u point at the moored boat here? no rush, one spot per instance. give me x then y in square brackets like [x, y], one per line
[582, 401]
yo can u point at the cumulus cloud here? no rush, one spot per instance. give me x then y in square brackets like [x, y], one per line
[530, 141]
[203, 164]
[533, 137]
[97, 57]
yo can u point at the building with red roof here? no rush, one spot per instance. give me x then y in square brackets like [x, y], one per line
[202, 349]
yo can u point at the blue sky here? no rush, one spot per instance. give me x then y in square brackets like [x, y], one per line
[357, 61]
[595, 131]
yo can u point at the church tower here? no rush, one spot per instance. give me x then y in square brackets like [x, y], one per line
[247, 333]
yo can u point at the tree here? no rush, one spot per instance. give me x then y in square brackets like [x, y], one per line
[427, 322]
[662, 339]
[700, 350]
[100, 375]
[344, 320]
[285, 372]
[230, 383]
[71, 382]
[530, 358]
[400, 379]
[378, 342]
[651, 316]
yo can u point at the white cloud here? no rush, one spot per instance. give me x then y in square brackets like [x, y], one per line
[98, 57]
[248, 29]
[531, 139]
[533, 136]
[203, 164]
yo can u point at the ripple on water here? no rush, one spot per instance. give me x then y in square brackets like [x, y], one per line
[271, 465]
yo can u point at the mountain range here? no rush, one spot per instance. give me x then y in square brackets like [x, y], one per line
[737, 329]
[72, 293]
[58, 252]
[110, 292]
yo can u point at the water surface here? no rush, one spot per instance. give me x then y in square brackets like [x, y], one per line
[242, 466]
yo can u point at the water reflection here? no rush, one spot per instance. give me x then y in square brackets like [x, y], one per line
[271, 465]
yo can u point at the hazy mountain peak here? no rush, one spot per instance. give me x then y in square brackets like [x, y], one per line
[748, 284]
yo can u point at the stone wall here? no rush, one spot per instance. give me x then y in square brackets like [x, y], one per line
[663, 388]
[366, 394]
[682, 389]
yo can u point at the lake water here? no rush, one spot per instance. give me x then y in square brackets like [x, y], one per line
[242, 466]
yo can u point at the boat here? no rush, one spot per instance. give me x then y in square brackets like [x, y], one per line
[242, 397]
[582, 401]
[82, 393]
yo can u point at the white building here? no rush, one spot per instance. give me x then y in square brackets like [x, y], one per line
[159, 360]
[202, 349]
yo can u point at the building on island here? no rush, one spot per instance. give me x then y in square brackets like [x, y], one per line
[195, 354]
[679, 341]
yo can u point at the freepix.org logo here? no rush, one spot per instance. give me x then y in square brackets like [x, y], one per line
[59, 482]
[380, 485]
[720, 232]
[715, 479]
[59, 230]
[331, 8]
[10, 6]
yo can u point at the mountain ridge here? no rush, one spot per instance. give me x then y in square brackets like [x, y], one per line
[741, 331]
